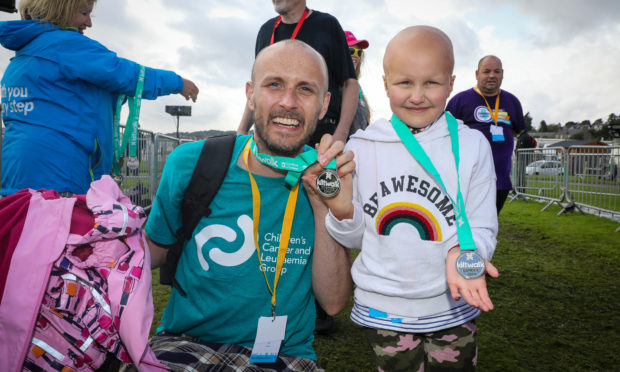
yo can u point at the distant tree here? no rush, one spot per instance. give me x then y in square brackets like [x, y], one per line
[570, 124]
[528, 123]
[554, 128]
[598, 121]
[543, 126]
[577, 136]
[586, 124]
[613, 119]
[602, 134]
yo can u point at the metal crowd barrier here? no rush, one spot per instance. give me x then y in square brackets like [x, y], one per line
[136, 182]
[163, 146]
[539, 174]
[594, 182]
[140, 185]
[586, 178]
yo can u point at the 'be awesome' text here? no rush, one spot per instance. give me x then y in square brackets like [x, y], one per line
[414, 185]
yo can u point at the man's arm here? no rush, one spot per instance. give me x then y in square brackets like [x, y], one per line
[246, 120]
[350, 99]
[519, 126]
[158, 252]
[331, 266]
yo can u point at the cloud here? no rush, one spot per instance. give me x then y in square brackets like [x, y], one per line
[561, 21]
[560, 57]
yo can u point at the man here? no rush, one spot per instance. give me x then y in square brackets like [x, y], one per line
[232, 290]
[496, 113]
[322, 32]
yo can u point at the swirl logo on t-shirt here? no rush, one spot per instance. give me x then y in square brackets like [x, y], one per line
[219, 256]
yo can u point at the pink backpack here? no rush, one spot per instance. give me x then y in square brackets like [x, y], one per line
[75, 281]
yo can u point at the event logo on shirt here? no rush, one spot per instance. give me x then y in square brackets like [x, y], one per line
[221, 231]
[482, 114]
[12, 105]
[297, 254]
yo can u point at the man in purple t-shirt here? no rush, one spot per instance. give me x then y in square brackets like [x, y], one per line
[494, 112]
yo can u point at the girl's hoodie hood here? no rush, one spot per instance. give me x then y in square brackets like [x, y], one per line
[14, 35]
[382, 131]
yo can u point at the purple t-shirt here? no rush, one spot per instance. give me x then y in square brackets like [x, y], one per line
[470, 107]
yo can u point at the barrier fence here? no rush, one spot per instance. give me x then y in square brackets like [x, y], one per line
[140, 185]
[586, 178]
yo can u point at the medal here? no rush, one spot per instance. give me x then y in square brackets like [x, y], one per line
[328, 183]
[470, 265]
[133, 163]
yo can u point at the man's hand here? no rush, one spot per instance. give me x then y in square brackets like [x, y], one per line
[474, 291]
[190, 90]
[341, 204]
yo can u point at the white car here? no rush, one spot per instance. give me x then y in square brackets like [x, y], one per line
[545, 167]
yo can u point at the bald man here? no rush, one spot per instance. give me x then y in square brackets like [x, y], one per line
[245, 282]
[494, 112]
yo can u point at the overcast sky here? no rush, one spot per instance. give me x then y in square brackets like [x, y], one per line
[561, 58]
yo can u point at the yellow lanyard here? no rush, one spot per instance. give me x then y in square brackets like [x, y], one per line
[287, 225]
[494, 114]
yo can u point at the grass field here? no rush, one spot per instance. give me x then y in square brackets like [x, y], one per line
[557, 300]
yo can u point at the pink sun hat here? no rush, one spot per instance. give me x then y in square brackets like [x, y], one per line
[351, 40]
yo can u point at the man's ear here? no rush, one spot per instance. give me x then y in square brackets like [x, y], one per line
[326, 100]
[249, 92]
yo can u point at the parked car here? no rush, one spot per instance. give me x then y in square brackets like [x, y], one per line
[545, 167]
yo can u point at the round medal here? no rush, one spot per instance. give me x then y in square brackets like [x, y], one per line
[133, 163]
[328, 183]
[470, 265]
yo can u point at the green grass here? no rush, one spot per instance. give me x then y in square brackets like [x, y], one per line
[557, 300]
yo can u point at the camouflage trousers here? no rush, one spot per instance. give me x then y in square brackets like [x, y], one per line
[452, 349]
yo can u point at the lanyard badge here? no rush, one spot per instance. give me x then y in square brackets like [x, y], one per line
[469, 264]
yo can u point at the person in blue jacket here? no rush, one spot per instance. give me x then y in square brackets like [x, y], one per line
[58, 98]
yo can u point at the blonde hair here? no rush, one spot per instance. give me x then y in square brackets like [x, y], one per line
[60, 13]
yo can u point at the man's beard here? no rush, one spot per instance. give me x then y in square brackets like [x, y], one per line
[281, 149]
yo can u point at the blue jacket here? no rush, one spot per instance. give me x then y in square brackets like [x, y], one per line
[58, 98]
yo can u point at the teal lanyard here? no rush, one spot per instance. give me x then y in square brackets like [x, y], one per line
[463, 229]
[131, 129]
[294, 166]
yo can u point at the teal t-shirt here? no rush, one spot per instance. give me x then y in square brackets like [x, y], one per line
[219, 267]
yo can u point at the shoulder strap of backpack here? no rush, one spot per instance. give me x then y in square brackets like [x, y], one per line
[204, 184]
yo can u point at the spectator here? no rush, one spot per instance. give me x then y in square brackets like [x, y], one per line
[59, 92]
[362, 115]
[322, 32]
[497, 114]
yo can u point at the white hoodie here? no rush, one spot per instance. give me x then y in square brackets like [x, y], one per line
[404, 222]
